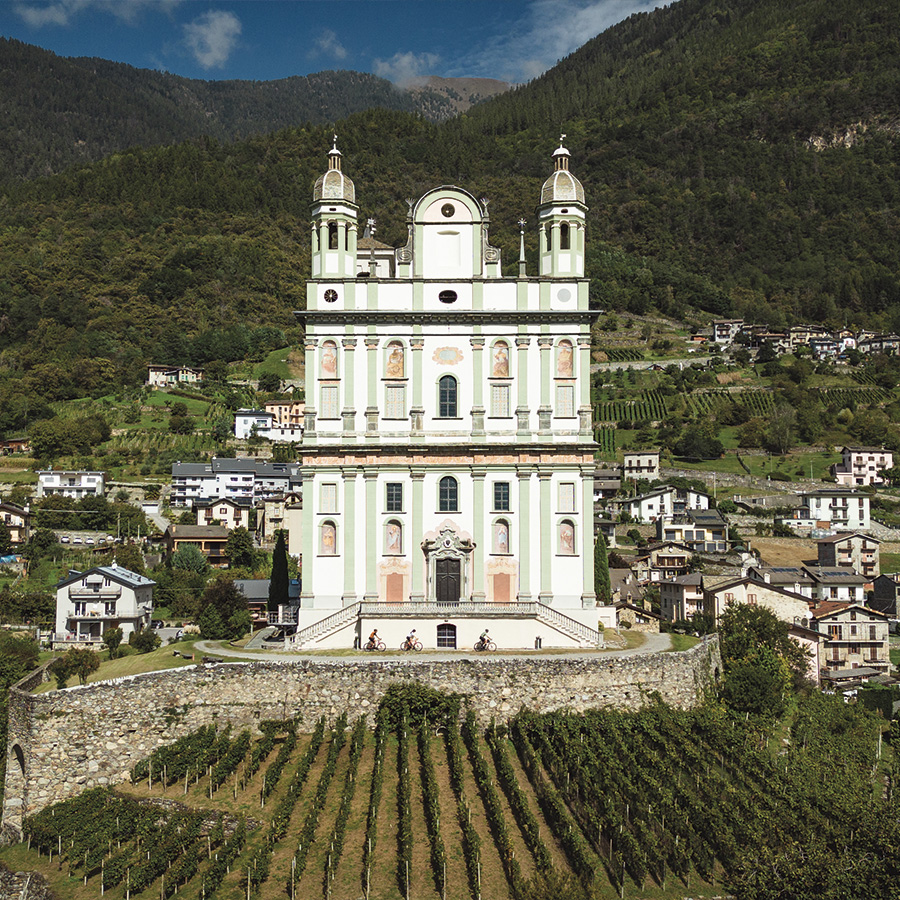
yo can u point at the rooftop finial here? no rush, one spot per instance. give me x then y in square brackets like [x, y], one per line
[334, 147]
[562, 137]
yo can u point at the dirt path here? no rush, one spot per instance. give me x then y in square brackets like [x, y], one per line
[457, 880]
[421, 883]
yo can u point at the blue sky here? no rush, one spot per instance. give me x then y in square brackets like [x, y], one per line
[512, 40]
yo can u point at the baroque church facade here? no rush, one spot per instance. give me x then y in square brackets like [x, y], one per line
[448, 453]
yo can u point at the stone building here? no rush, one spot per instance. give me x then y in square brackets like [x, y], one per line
[448, 453]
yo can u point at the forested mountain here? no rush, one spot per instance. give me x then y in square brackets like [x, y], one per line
[59, 111]
[739, 157]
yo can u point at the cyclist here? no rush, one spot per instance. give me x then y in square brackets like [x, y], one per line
[483, 639]
[410, 640]
[373, 640]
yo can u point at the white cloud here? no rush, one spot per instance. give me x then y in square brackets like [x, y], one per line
[62, 12]
[548, 31]
[212, 36]
[328, 44]
[406, 69]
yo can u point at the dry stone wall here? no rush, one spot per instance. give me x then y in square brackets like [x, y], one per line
[64, 742]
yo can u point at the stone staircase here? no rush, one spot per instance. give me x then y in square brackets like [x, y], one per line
[307, 638]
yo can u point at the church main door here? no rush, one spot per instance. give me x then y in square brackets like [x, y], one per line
[447, 580]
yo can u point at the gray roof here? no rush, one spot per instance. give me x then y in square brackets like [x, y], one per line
[113, 572]
[835, 575]
[198, 531]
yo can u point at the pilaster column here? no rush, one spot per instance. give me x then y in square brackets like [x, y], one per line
[479, 555]
[348, 414]
[588, 597]
[548, 544]
[524, 525]
[342, 248]
[350, 558]
[585, 413]
[545, 410]
[523, 413]
[311, 381]
[308, 543]
[477, 343]
[417, 588]
[373, 533]
[372, 388]
[417, 410]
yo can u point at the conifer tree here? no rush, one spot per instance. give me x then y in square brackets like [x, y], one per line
[602, 587]
[278, 584]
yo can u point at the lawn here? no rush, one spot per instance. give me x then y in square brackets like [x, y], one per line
[682, 642]
[136, 663]
[281, 363]
[890, 562]
[798, 465]
[161, 398]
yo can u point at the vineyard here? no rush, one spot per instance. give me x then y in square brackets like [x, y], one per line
[659, 803]
[651, 406]
[622, 354]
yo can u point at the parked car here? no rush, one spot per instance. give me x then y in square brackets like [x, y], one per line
[156, 623]
[90, 541]
[65, 539]
[77, 540]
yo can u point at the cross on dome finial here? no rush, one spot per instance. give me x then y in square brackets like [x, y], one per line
[562, 137]
[522, 223]
[335, 141]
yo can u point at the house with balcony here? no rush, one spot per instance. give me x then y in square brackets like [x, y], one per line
[282, 512]
[661, 561]
[663, 501]
[77, 485]
[702, 530]
[837, 509]
[851, 550]
[230, 512]
[641, 464]
[287, 413]
[262, 424]
[724, 331]
[862, 465]
[210, 540]
[88, 603]
[232, 478]
[856, 637]
[681, 598]
[168, 376]
[17, 519]
[836, 585]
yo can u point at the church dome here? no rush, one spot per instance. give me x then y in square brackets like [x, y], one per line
[334, 184]
[562, 186]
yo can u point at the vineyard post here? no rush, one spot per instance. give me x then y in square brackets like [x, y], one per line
[406, 864]
[128, 884]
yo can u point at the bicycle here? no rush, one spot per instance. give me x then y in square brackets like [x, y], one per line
[377, 645]
[485, 645]
[411, 645]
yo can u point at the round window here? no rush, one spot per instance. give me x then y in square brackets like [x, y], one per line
[564, 294]
[447, 210]
[447, 296]
[330, 295]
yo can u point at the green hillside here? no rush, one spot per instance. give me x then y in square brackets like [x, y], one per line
[739, 158]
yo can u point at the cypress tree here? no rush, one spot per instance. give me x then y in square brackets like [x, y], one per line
[602, 586]
[278, 584]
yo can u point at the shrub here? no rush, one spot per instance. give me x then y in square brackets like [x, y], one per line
[144, 641]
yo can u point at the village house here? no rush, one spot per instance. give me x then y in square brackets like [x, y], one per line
[232, 513]
[681, 598]
[786, 605]
[636, 618]
[77, 485]
[233, 478]
[283, 511]
[641, 464]
[862, 465]
[607, 483]
[88, 603]
[210, 540]
[287, 413]
[855, 637]
[624, 585]
[885, 590]
[167, 376]
[661, 561]
[851, 550]
[17, 520]
[663, 501]
[837, 584]
[606, 527]
[789, 578]
[703, 530]
[724, 331]
[250, 423]
[836, 508]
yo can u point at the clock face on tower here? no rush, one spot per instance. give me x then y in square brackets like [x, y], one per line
[330, 295]
[447, 210]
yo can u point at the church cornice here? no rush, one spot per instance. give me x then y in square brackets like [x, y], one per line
[422, 317]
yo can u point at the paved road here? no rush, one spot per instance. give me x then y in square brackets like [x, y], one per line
[654, 643]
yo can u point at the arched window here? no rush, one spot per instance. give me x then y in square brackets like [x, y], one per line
[565, 359]
[500, 360]
[395, 361]
[328, 367]
[332, 236]
[315, 239]
[501, 536]
[328, 539]
[564, 240]
[393, 538]
[567, 538]
[446, 637]
[447, 397]
[448, 495]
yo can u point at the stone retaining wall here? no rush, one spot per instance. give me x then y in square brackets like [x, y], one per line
[64, 742]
